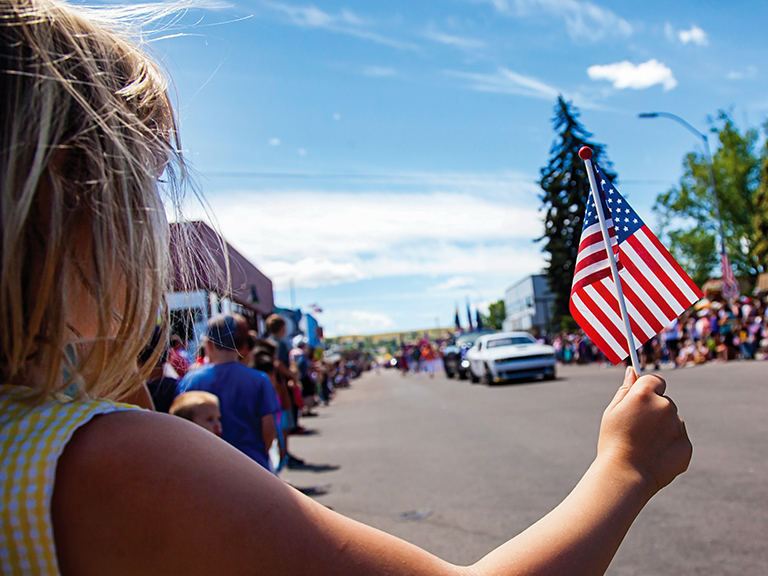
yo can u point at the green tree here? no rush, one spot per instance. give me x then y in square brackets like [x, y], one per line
[687, 212]
[760, 217]
[565, 189]
[497, 313]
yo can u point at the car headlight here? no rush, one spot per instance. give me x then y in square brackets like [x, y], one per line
[465, 363]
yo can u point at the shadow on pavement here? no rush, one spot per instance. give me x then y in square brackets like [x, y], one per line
[305, 432]
[313, 490]
[527, 381]
[314, 467]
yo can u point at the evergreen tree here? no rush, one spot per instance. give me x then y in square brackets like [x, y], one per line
[566, 188]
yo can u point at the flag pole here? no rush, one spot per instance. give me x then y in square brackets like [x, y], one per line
[586, 154]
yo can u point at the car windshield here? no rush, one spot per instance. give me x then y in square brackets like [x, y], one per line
[469, 339]
[511, 341]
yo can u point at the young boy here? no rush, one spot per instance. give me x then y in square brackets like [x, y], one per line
[199, 407]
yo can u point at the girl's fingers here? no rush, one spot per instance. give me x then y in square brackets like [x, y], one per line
[629, 379]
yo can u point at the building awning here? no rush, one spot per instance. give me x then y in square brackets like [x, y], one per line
[200, 259]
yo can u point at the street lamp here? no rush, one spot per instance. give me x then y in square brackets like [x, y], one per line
[730, 287]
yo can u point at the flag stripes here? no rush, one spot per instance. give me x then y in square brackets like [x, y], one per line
[592, 259]
[692, 291]
[649, 289]
[650, 305]
[650, 318]
[663, 285]
[597, 326]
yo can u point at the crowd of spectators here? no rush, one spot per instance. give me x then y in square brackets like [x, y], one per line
[420, 357]
[712, 331]
[252, 390]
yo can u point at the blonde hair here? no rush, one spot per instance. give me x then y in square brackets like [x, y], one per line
[186, 405]
[87, 128]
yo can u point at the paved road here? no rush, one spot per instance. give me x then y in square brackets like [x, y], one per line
[484, 463]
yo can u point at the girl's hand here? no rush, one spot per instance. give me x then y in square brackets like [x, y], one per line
[642, 432]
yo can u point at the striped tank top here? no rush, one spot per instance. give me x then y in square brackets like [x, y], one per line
[32, 437]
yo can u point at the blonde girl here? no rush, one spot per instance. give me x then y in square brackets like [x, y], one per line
[92, 486]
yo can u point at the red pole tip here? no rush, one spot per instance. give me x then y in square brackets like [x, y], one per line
[585, 152]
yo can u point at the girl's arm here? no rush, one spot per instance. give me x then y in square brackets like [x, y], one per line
[139, 493]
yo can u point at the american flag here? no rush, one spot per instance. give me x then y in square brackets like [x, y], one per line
[656, 289]
[730, 285]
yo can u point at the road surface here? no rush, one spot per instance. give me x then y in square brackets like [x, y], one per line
[458, 468]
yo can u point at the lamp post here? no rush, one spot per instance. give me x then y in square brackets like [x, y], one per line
[730, 287]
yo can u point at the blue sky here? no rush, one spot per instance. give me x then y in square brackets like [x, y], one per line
[384, 155]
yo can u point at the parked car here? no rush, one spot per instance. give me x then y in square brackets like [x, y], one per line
[454, 355]
[509, 355]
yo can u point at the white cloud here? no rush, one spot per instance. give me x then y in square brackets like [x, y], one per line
[379, 71]
[312, 272]
[478, 225]
[636, 76]
[274, 141]
[669, 32]
[695, 35]
[583, 20]
[459, 42]
[506, 81]
[749, 73]
[345, 22]
[294, 224]
[359, 322]
[455, 283]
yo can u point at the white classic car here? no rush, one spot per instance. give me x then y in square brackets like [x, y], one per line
[507, 355]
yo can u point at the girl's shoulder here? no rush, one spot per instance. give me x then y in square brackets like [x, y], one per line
[24, 415]
[34, 435]
[131, 479]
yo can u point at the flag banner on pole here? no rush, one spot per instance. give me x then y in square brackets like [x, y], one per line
[730, 285]
[656, 289]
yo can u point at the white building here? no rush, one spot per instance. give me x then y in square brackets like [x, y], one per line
[529, 305]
